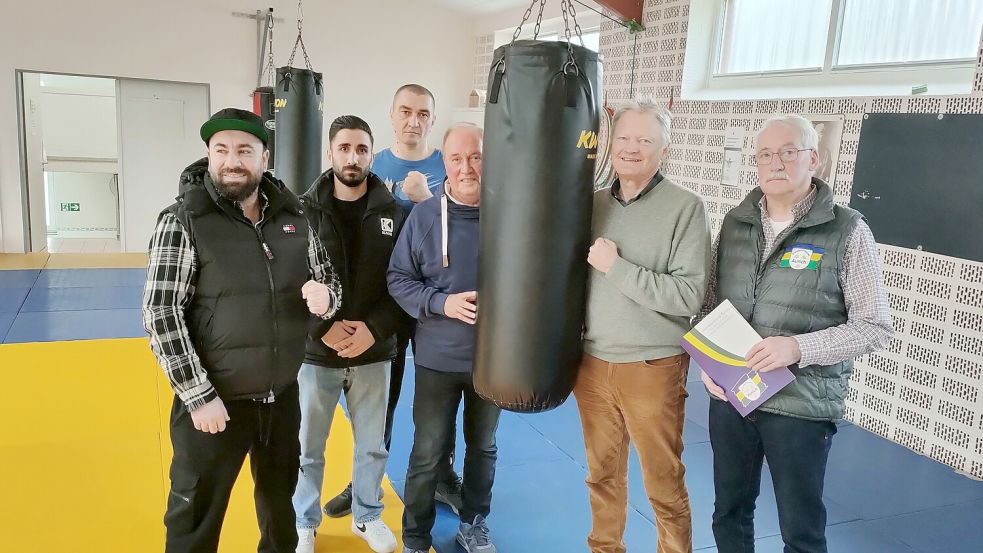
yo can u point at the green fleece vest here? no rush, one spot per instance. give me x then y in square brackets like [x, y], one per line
[796, 290]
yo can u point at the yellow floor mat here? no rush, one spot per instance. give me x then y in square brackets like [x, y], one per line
[84, 451]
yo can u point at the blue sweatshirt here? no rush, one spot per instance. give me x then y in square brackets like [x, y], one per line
[420, 283]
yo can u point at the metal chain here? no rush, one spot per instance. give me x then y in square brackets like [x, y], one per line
[539, 19]
[525, 16]
[580, 33]
[566, 30]
[270, 65]
[300, 38]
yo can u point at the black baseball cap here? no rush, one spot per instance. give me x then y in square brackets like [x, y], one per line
[234, 119]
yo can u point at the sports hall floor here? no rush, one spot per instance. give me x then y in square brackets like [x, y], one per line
[84, 448]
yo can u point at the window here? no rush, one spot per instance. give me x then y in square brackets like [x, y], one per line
[899, 31]
[769, 36]
[761, 35]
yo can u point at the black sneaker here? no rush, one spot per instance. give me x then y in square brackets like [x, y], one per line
[449, 491]
[341, 505]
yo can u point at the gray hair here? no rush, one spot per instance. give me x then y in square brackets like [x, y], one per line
[647, 105]
[461, 125]
[809, 136]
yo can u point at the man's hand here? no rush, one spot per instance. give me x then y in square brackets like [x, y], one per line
[715, 391]
[360, 340]
[773, 353]
[602, 254]
[415, 187]
[338, 332]
[210, 417]
[318, 297]
[462, 306]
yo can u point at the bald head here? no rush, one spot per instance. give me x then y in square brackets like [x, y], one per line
[462, 161]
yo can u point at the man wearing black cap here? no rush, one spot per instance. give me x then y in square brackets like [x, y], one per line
[234, 273]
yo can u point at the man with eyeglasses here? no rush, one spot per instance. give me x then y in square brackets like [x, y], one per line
[805, 273]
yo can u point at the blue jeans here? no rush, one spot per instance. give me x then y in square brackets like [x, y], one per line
[437, 397]
[796, 450]
[366, 390]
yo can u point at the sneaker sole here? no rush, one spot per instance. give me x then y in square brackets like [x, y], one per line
[443, 499]
[462, 542]
[336, 515]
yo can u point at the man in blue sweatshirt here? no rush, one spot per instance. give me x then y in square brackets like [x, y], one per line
[433, 276]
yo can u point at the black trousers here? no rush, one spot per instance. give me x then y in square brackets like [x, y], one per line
[403, 338]
[796, 451]
[438, 395]
[205, 467]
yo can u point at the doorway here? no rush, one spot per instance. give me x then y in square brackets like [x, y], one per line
[101, 157]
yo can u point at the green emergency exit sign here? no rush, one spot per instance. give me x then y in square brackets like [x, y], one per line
[74, 206]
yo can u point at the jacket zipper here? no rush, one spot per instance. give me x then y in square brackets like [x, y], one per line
[268, 258]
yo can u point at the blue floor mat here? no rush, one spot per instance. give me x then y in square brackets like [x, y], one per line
[18, 278]
[88, 278]
[51, 326]
[79, 298]
[952, 529]
[879, 478]
[11, 299]
[6, 319]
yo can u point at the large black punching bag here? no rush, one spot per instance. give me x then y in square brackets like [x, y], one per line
[540, 144]
[263, 100]
[299, 107]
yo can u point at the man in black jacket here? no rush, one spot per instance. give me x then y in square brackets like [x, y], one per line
[231, 265]
[358, 220]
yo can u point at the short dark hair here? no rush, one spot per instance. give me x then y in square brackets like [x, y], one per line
[415, 89]
[350, 122]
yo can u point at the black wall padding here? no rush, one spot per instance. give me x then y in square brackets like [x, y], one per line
[299, 116]
[540, 145]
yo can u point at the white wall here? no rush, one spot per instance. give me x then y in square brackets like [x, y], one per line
[365, 48]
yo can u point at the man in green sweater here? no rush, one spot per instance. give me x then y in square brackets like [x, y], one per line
[650, 263]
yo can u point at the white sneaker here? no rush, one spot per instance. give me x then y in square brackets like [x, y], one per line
[305, 540]
[375, 533]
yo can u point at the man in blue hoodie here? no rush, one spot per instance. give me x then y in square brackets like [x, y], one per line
[433, 276]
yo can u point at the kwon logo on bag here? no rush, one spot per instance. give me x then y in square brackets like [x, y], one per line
[387, 226]
[588, 141]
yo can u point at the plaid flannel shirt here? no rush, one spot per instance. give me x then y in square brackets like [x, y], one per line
[170, 287]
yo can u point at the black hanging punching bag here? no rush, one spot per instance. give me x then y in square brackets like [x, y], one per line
[263, 99]
[540, 145]
[299, 107]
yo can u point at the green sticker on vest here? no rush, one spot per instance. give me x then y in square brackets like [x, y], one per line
[802, 256]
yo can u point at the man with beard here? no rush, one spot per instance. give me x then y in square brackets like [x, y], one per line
[413, 171]
[358, 220]
[231, 265]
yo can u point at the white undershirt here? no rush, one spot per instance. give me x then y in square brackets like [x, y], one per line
[778, 227]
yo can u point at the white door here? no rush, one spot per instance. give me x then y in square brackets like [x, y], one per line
[159, 124]
[34, 164]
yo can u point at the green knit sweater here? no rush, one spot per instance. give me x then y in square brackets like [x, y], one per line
[641, 308]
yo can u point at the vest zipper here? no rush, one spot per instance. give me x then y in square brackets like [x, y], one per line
[268, 257]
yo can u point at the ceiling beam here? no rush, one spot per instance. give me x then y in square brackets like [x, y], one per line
[627, 10]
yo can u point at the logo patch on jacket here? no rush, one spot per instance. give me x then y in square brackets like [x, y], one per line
[289, 229]
[802, 256]
[387, 226]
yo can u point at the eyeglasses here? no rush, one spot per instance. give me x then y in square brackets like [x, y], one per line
[787, 155]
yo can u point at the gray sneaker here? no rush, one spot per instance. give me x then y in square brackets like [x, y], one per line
[408, 550]
[449, 491]
[474, 537]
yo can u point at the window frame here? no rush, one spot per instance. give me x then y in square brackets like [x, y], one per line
[701, 80]
[834, 32]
